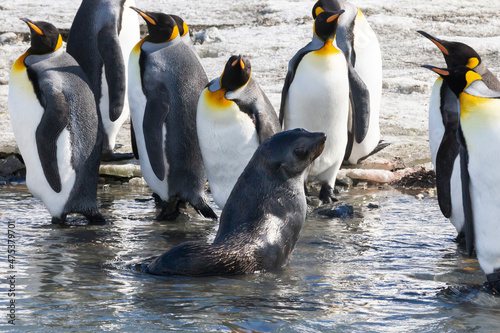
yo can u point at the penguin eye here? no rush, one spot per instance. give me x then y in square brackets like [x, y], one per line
[300, 152]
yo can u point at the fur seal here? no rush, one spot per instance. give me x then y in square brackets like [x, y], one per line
[262, 219]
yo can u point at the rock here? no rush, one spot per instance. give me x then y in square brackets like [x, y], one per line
[120, 170]
[373, 206]
[10, 165]
[207, 36]
[138, 182]
[342, 211]
[8, 37]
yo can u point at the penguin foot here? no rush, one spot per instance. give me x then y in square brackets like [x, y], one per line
[381, 145]
[59, 220]
[114, 157]
[169, 211]
[205, 210]
[95, 219]
[326, 194]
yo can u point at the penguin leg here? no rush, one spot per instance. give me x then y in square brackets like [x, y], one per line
[327, 194]
[169, 210]
[59, 220]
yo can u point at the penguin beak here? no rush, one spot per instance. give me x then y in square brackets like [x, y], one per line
[335, 16]
[436, 41]
[440, 71]
[240, 61]
[32, 25]
[144, 15]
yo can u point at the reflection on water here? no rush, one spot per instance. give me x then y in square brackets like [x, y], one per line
[394, 268]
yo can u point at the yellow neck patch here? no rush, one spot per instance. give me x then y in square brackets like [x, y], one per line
[217, 99]
[472, 63]
[481, 108]
[327, 49]
[137, 47]
[19, 64]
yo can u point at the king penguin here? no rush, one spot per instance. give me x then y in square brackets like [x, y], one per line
[316, 97]
[101, 37]
[53, 114]
[361, 48]
[443, 125]
[234, 116]
[479, 138]
[166, 79]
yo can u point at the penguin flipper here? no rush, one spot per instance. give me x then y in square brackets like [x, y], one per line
[155, 115]
[55, 118]
[133, 142]
[350, 131]
[114, 67]
[446, 155]
[466, 198]
[361, 102]
[292, 68]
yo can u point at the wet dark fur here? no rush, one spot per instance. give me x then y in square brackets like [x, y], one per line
[262, 219]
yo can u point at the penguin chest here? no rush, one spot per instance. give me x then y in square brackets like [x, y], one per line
[480, 122]
[26, 113]
[228, 139]
[318, 100]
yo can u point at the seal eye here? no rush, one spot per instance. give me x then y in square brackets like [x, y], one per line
[300, 152]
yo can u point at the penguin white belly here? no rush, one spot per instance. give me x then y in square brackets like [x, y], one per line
[111, 128]
[369, 67]
[129, 36]
[228, 139]
[26, 114]
[482, 136]
[457, 217]
[318, 100]
[137, 102]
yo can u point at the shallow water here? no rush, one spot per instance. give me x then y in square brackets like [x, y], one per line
[393, 269]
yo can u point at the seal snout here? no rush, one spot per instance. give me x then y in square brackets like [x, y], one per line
[319, 144]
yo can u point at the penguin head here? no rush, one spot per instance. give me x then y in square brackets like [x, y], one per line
[236, 74]
[162, 28]
[45, 37]
[457, 78]
[455, 53]
[289, 153]
[325, 25]
[183, 27]
[326, 5]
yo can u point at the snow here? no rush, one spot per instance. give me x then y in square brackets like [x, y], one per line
[270, 32]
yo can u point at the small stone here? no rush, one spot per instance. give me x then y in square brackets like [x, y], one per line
[10, 165]
[419, 196]
[341, 211]
[8, 37]
[105, 187]
[373, 206]
[207, 36]
[138, 182]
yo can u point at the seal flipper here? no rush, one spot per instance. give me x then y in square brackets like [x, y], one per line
[361, 114]
[109, 49]
[155, 115]
[53, 122]
[467, 203]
